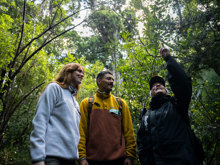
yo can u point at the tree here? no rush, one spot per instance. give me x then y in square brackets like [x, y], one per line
[189, 27]
[92, 48]
[186, 31]
[136, 70]
[205, 113]
[16, 136]
[38, 37]
[30, 30]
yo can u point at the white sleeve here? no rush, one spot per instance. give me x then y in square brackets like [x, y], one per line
[45, 105]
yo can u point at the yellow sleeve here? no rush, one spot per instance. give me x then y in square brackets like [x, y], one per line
[130, 140]
[83, 130]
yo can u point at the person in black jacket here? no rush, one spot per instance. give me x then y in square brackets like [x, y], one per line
[164, 135]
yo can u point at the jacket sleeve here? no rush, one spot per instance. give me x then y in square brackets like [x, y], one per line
[130, 141]
[83, 128]
[45, 105]
[180, 84]
[139, 139]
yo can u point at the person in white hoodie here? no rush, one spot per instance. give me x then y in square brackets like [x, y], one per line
[55, 135]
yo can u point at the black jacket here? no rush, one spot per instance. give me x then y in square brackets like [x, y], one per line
[164, 134]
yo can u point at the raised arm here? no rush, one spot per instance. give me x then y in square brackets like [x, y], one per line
[179, 82]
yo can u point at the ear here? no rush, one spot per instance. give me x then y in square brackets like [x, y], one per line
[98, 81]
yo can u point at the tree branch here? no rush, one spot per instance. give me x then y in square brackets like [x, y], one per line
[22, 33]
[28, 46]
[43, 45]
[179, 12]
[49, 28]
[56, 13]
[24, 97]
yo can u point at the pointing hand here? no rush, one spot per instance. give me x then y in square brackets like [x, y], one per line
[164, 51]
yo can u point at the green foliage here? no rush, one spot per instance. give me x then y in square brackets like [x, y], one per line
[6, 39]
[89, 86]
[107, 26]
[26, 28]
[129, 21]
[206, 111]
[136, 70]
[107, 23]
[16, 137]
[189, 28]
[92, 48]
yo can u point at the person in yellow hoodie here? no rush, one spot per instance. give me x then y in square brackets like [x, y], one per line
[106, 131]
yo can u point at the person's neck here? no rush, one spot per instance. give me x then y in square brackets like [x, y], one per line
[73, 89]
[102, 95]
[73, 85]
[103, 92]
[158, 100]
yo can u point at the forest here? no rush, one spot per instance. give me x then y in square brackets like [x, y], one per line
[38, 37]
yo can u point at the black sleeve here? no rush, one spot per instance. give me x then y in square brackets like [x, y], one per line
[140, 146]
[180, 84]
[144, 143]
[140, 135]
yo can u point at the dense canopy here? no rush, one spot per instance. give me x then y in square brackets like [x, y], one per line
[38, 37]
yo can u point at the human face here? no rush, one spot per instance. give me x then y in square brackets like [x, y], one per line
[106, 83]
[158, 89]
[77, 77]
